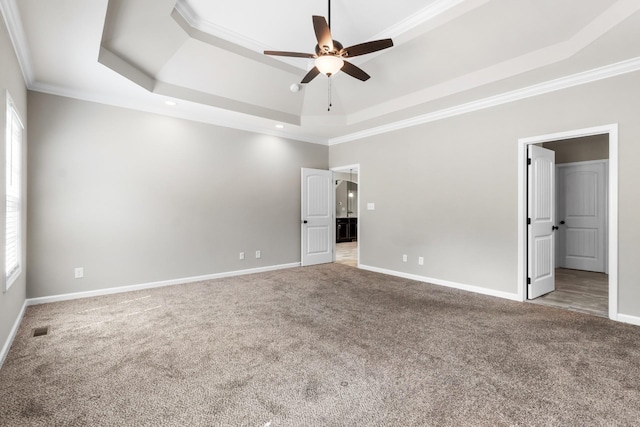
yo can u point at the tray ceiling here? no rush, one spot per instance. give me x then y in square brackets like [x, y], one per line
[450, 56]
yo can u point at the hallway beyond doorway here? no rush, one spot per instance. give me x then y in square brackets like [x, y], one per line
[347, 253]
[576, 290]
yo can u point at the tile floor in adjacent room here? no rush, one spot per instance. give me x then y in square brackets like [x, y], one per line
[577, 290]
[347, 253]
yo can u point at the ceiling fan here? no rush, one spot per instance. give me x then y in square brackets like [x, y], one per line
[330, 54]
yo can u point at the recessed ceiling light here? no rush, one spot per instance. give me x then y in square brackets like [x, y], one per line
[280, 126]
[171, 103]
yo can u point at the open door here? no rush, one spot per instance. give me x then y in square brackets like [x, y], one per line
[541, 220]
[317, 216]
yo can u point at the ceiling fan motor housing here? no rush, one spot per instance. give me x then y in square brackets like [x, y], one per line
[325, 50]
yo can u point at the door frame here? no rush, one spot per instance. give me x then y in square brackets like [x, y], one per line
[347, 168]
[612, 224]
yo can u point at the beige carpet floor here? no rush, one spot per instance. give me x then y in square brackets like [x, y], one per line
[327, 345]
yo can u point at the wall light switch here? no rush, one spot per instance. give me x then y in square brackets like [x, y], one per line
[371, 206]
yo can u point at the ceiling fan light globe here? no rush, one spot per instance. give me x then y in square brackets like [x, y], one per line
[329, 64]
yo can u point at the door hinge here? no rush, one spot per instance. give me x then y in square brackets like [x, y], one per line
[528, 221]
[528, 280]
[528, 161]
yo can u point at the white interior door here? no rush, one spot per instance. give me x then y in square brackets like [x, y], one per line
[318, 220]
[582, 215]
[541, 217]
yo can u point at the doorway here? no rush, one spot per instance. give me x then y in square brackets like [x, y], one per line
[347, 208]
[575, 289]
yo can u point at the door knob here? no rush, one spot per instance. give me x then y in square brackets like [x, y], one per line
[304, 222]
[561, 222]
[554, 227]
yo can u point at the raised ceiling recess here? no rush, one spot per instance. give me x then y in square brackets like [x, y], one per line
[449, 57]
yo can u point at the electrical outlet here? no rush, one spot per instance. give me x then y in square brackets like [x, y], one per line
[258, 254]
[421, 260]
[78, 272]
[241, 255]
[404, 258]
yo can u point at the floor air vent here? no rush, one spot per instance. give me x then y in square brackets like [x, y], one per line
[38, 332]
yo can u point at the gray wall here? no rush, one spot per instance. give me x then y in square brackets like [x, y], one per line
[135, 198]
[584, 149]
[461, 174]
[11, 79]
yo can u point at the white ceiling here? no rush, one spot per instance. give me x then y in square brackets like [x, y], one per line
[449, 57]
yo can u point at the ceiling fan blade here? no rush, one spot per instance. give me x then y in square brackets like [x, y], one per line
[368, 47]
[323, 33]
[292, 54]
[310, 75]
[354, 71]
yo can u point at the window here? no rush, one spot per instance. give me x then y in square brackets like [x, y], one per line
[13, 195]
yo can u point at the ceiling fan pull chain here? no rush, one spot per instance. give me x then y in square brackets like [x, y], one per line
[330, 104]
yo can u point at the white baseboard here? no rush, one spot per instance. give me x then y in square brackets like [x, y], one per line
[625, 318]
[54, 298]
[12, 334]
[448, 284]
[129, 288]
[108, 291]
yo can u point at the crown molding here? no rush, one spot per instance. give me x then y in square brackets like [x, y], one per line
[608, 71]
[208, 30]
[196, 21]
[161, 109]
[426, 14]
[286, 64]
[430, 12]
[11, 14]
[536, 59]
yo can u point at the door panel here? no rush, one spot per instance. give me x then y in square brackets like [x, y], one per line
[582, 207]
[580, 243]
[541, 213]
[317, 216]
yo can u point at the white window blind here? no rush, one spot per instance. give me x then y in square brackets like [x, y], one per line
[13, 195]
